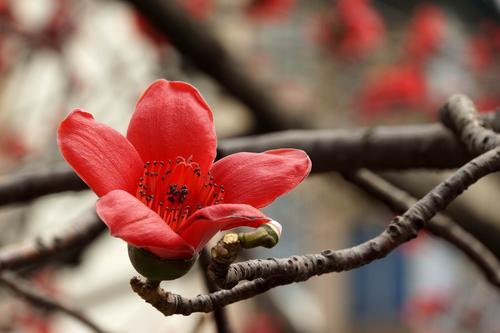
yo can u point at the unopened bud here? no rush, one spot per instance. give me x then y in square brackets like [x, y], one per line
[266, 235]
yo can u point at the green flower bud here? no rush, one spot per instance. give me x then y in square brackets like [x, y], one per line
[155, 268]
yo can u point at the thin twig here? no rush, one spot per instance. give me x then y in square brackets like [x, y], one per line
[78, 237]
[483, 228]
[26, 291]
[270, 273]
[440, 225]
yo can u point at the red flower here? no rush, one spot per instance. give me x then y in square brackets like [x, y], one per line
[199, 9]
[395, 87]
[13, 144]
[353, 30]
[487, 102]
[270, 10]
[159, 187]
[426, 32]
[5, 11]
[484, 47]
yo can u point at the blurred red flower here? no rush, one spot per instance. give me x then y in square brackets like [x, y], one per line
[484, 47]
[13, 144]
[270, 10]
[37, 320]
[487, 102]
[159, 187]
[397, 86]
[52, 34]
[425, 33]
[263, 322]
[352, 30]
[5, 11]
[5, 15]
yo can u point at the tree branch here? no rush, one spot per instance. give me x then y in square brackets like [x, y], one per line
[461, 116]
[81, 234]
[24, 187]
[270, 273]
[483, 228]
[397, 147]
[23, 289]
[380, 148]
[441, 225]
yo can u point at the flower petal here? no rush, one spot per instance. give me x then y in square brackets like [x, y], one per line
[129, 219]
[101, 156]
[172, 119]
[205, 223]
[257, 179]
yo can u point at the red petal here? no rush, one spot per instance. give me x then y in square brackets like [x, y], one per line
[101, 156]
[172, 119]
[129, 219]
[206, 222]
[257, 179]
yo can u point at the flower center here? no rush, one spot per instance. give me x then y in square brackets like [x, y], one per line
[175, 190]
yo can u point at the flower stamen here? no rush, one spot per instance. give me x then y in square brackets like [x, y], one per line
[176, 190]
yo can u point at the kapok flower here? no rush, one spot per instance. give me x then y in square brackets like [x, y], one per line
[159, 188]
[398, 86]
[426, 32]
[352, 30]
[270, 10]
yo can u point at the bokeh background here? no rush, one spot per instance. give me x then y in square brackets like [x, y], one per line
[330, 64]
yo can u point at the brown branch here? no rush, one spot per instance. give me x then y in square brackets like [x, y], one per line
[484, 228]
[378, 148]
[269, 273]
[220, 314]
[202, 48]
[24, 187]
[79, 236]
[441, 225]
[24, 290]
[461, 116]
[381, 148]
[170, 304]
[401, 229]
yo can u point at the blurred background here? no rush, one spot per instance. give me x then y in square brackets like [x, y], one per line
[329, 64]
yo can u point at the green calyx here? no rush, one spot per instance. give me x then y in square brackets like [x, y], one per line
[158, 269]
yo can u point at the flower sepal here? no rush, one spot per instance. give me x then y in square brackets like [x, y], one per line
[267, 235]
[155, 268]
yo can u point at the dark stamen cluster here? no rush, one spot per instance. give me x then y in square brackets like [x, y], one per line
[176, 190]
